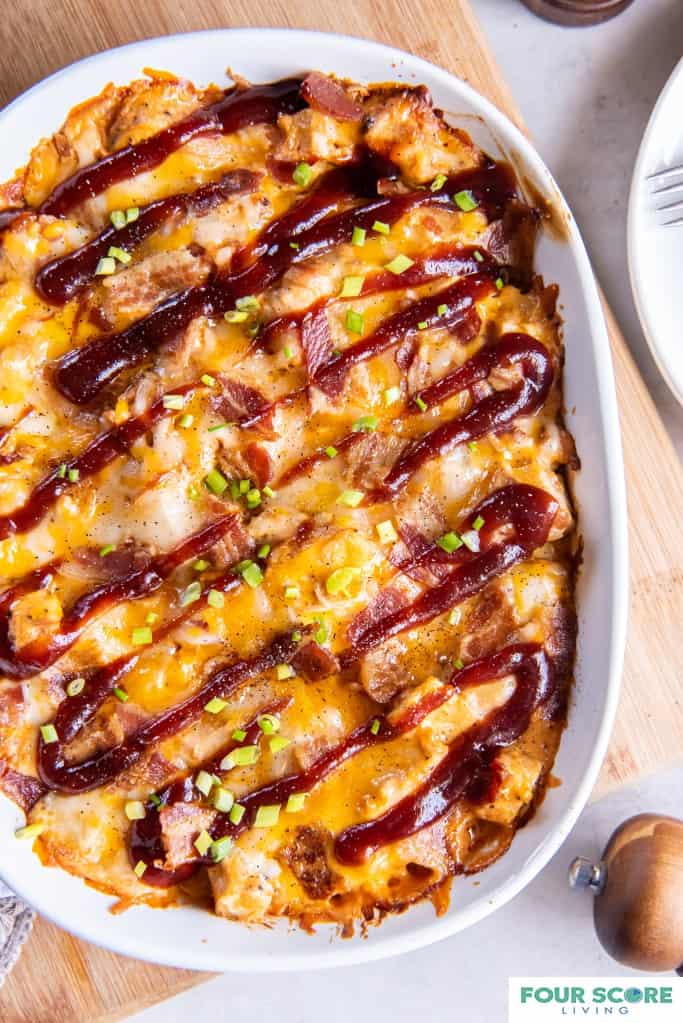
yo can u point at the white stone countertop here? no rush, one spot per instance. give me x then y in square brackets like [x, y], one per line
[586, 95]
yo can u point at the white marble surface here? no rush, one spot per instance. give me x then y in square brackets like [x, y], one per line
[586, 95]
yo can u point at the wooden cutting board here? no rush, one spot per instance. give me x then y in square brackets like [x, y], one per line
[62, 980]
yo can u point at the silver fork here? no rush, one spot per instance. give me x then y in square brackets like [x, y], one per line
[672, 190]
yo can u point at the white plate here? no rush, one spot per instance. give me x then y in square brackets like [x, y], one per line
[655, 251]
[194, 938]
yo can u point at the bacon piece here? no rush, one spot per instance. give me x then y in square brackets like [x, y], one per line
[383, 671]
[314, 662]
[20, 788]
[418, 557]
[387, 602]
[118, 563]
[306, 857]
[258, 460]
[370, 456]
[238, 400]
[180, 825]
[316, 341]
[329, 97]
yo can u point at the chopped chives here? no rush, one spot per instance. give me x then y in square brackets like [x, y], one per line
[288, 352]
[296, 636]
[193, 492]
[268, 491]
[223, 799]
[203, 842]
[191, 593]
[248, 302]
[118, 219]
[457, 663]
[358, 236]
[351, 287]
[185, 421]
[151, 618]
[215, 482]
[220, 848]
[263, 551]
[351, 498]
[75, 686]
[438, 183]
[365, 424]
[375, 726]
[239, 735]
[120, 254]
[244, 756]
[283, 671]
[399, 264]
[29, 831]
[500, 284]
[421, 404]
[139, 868]
[73, 475]
[442, 309]
[478, 523]
[392, 395]
[473, 446]
[204, 782]
[134, 810]
[142, 636]
[252, 575]
[105, 267]
[268, 724]
[478, 256]
[292, 592]
[107, 549]
[200, 565]
[253, 498]
[132, 213]
[422, 325]
[354, 322]
[295, 803]
[215, 705]
[294, 245]
[331, 451]
[340, 580]
[302, 174]
[236, 814]
[465, 201]
[49, 733]
[173, 401]
[267, 816]
[380, 227]
[154, 800]
[236, 316]
[208, 380]
[454, 616]
[449, 542]
[61, 472]
[121, 694]
[215, 598]
[386, 531]
[278, 743]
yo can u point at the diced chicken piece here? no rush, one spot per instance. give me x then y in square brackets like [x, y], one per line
[231, 225]
[180, 825]
[519, 777]
[307, 858]
[405, 129]
[242, 885]
[164, 513]
[136, 290]
[34, 615]
[312, 135]
[149, 107]
[489, 624]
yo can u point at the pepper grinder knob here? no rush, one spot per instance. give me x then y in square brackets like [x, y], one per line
[638, 884]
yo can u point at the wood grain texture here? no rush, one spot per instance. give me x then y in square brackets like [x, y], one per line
[88, 985]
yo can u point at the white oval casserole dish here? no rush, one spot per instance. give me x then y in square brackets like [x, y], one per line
[193, 938]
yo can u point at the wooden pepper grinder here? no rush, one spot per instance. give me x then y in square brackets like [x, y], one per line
[577, 12]
[638, 884]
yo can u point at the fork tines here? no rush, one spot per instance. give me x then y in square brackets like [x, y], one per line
[662, 176]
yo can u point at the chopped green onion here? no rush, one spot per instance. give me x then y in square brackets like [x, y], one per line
[244, 756]
[422, 325]
[288, 352]
[296, 636]
[120, 254]
[215, 705]
[154, 800]
[236, 814]
[248, 302]
[294, 245]
[478, 256]
[375, 726]
[268, 491]
[192, 593]
[454, 616]
[302, 174]
[295, 803]
[193, 492]
[105, 267]
[399, 264]
[208, 380]
[269, 724]
[61, 472]
[465, 201]
[200, 565]
[203, 842]
[263, 551]
[139, 868]
[121, 694]
[421, 404]
[320, 634]
[75, 686]
[253, 498]
[73, 475]
[267, 816]
[386, 531]
[118, 219]
[340, 580]
[173, 401]
[351, 498]
[223, 799]
[471, 541]
[29, 831]
[331, 451]
[473, 446]
[49, 733]
[292, 592]
[438, 182]
[252, 575]
[239, 735]
[107, 549]
[142, 636]
[478, 523]
[442, 309]
[358, 236]
[220, 848]
[215, 598]
[458, 664]
[366, 424]
[132, 213]
[500, 283]
[284, 671]
[351, 287]
[354, 321]
[449, 542]
[236, 316]
[134, 810]
[278, 743]
[392, 395]
[380, 227]
[216, 482]
[151, 618]
[204, 782]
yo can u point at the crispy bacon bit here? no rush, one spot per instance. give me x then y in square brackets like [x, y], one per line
[370, 456]
[114, 565]
[180, 825]
[329, 97]
[316, 341]
[20, 788]
[306, 857]
[258, 460]
[314, 662]
[384, 672]
[238, 401]
[387, 602]
[418, 557]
